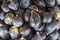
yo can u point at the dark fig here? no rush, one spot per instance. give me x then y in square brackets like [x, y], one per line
[43, 35]
[51, 27]
[54, 36]
[24, 3]
[33, 7]
[13, 32]
[3, 33]
[9, 18]
[27, 15]
[50, 3]
[4, 6]
[17, 21]
[47, 18]
[40, 3]
[20, 12]
[41, 27]
[25, 30]
[13, 6]
[35, 20]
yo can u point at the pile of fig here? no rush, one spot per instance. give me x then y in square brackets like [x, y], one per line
[29, 19]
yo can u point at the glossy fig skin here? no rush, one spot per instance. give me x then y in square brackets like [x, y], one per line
[25, 30]
[17, 21]
[50, 3]
[24, 3]
[35, 20]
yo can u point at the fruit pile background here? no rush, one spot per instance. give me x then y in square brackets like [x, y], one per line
[29, 19]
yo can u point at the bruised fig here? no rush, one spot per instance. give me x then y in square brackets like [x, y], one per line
[37, 36]
[9, 18]
[27, 15]
[4, 6]
[40, 3]
[35, 20]
[51, 27]
[47, 18]
[17, 21]
[22, 38]
[13, 32]
[25, 30]
[50, 3]
[24, 3]
[2, 15]
[54, 35]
